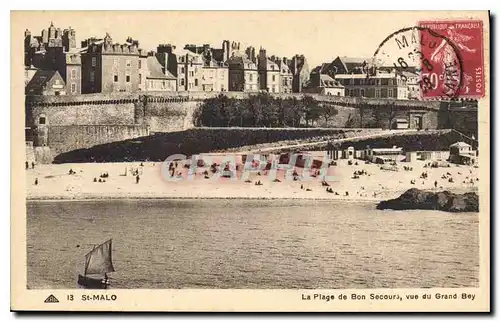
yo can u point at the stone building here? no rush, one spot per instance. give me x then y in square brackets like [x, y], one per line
[157, 79]
[300, 71]
[109, 67]
[324, 85]
[269, 73]
[215, 76]
[183, 64]
[215, 73]
[47, 83]
[380, 85]
[243, 73]
[189, 70]
[55, 50]
[286, 76]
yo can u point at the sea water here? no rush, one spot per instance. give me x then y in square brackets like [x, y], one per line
[252, 244]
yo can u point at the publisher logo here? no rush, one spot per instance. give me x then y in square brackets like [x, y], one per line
[51, 299]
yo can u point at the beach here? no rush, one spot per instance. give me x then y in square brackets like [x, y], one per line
[54, 182]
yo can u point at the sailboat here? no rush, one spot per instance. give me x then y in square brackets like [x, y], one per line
[97, 262]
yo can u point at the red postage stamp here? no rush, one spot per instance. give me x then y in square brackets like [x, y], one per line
[456, 57]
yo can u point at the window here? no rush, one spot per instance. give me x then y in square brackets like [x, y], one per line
[362, 93]
[389, 92]
[92, 75]
[73, 73]
[129, 62]
[41, 120]
[140, 78]
[377, 93]
[191, 73]
[182, 70]
[73, 88]
[94, 61]
[116, 78]
[250, 77]
[196, 82]
[140, 64]
[127, 78]
[57, 82]
[274, 77]
[182, 81]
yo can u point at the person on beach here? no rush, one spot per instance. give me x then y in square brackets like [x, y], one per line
[95, 179]
[27, 165]
[36, 182]
[137, 178]
[32, 165]
[435, 184]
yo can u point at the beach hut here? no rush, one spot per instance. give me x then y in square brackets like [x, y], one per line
[411, 156]
[349, 153]
[462, 153]
[382, 155]
[333, 151]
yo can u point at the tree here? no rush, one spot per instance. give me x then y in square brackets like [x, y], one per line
[312, 109]
[328, 112]
[391, 113]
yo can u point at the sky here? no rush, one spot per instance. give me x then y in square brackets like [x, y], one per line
[320, 35]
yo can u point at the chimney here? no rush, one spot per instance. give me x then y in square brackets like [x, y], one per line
[165, 48]
[191, 48]
[225, 50]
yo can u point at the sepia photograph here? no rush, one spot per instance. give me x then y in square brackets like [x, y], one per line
[252, 150]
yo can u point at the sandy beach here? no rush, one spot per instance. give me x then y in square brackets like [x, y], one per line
[375, 183]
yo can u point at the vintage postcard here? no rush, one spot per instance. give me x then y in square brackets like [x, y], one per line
[268, 161]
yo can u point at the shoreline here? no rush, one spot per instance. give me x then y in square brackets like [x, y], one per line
[113, 198]
[374, 185]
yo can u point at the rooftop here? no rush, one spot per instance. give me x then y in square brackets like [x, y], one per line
[40, 79]
[156, 70]
[241, 61]
[327, 81]
[460, 144]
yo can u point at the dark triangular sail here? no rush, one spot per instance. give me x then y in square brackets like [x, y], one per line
[99, 260]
